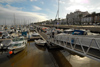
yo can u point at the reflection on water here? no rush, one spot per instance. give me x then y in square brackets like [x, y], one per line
[31, 56]
[77, 61]
[43, 48]
[37, 56]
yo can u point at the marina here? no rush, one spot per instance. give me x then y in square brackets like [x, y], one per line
[63, 33]
[49, 54]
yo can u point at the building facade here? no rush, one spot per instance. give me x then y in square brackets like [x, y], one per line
[75, 18]
[88, 19]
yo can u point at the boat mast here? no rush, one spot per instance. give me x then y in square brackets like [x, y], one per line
[58, 9]
[14, 20]
[5, 22]
[58, 15]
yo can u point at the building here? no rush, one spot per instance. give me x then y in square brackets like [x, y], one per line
[88, 19]
[75, 18]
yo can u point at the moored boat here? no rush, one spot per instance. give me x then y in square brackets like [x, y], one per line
[35, 34]
[17, 45]
[40, 42]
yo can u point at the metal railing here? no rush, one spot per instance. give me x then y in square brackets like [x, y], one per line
[83, 50]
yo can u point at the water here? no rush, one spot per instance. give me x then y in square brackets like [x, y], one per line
[31, 56]
[37, 56]
[79, 61]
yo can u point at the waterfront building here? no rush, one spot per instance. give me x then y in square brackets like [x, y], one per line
[88, 19]
[75, 18]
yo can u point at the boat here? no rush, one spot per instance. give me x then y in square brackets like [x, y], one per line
[19, 39]
[77, 32]
[68, 31]
[17, 45]
[40, 42]
[35, 34]
[83, 32]
[4, 34]
[4, 44]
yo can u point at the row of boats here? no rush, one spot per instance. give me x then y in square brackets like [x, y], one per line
[17, 44]
[70, 31]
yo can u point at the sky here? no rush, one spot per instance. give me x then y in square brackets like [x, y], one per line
[27, 11]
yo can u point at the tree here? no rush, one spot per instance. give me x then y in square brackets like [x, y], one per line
[80, 16]
[93, 16]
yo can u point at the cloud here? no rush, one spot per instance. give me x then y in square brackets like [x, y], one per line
[83, 5]
[80, 1]
[74, 7]
[10, 1]
[36, 8]
[12, 8]
[8, 15]
[42, 2]
[33, 0]
[62, 2]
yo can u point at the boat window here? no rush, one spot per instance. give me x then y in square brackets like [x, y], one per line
[15, 44]
[18, 39]
[21, 39]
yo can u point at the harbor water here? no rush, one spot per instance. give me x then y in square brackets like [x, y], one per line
[37, 56]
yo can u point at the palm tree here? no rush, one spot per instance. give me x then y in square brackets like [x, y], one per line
[93, 15]
[80, 16]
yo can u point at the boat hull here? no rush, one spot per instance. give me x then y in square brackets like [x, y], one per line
[17, 49]
[40, 44]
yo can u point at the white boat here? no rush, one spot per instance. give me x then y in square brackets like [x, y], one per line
[83, 32]
[17, 45]
[68, 31]
[78, 32]
[35, 34]
[19, 39]
[40, 42]
[4, 34]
